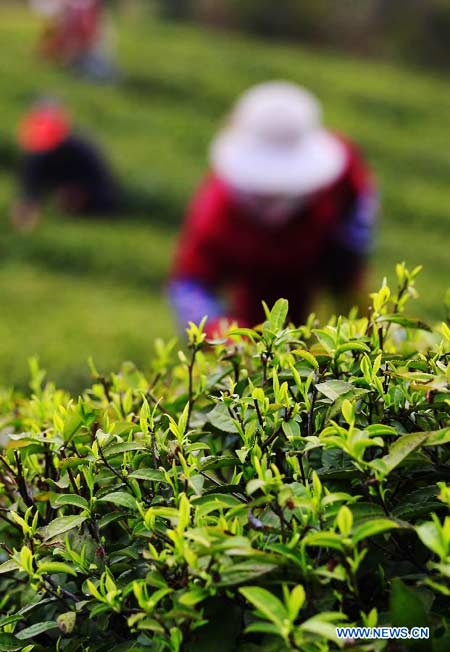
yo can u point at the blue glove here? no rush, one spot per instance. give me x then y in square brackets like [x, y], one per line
[192, 301]
[356, 231]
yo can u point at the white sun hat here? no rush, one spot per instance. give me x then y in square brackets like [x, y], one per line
[48, 8]
[274, 143]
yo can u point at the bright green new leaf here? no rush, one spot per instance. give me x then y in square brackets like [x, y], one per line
[324, 540]
[344, 521]
[278, 314]
[372, 527]
[348, 412]
[351, 346]
[184, 513]
[445, 331]
[433, 535]
[269, 606]
[307, 356]
[50, 567]
[296, 601]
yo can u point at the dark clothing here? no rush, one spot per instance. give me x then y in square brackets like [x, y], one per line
[76, 172]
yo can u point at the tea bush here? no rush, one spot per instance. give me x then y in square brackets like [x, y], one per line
[156, 125]
[252, 494]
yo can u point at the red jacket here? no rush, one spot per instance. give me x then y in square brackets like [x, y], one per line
[223, 248]
[80, 28]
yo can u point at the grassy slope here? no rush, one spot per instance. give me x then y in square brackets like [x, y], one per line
[76, 288]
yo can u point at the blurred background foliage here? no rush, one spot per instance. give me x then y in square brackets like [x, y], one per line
[415, 30]
[81, 287]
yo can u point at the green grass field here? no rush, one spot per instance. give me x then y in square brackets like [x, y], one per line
[76, 288]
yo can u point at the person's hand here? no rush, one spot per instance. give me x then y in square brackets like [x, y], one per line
[25, 216]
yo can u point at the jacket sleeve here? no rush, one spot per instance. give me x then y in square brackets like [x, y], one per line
[33, 175]
[353, 240]
[200, 262]
[356, 229]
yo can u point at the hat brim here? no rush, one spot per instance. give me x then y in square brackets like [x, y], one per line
[247, 165]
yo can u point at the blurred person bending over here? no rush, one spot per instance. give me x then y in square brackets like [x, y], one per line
[76, 34]
[62, 165]
[288, 209]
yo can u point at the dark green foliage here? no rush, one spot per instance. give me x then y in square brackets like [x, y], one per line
[415, 30]
[250, 494]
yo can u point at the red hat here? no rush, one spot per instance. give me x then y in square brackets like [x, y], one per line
[43, 129]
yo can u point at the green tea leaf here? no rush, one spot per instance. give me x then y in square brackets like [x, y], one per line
[268, 605]
[35, 630]
[9, 566]
[245, 571]
[351, 346]
[119, 498]
[324, 540]
[10, 643]
[406, 608]
[125, 447]
[291, 428]
[432, 536]
[321, 627]
[297, 599]
[307, 356]
[51, 567]
[406, 322]
[152, 475]
[60, 526]
[333, 389]
[72, 499]
[372, 528]
[438, 437]
[399, 450]
[220, 419]
[344, 521]
[218, 462]
[278, 314]
[8, 620]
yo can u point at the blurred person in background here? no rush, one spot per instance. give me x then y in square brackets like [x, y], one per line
[77, 34]
[287, 210]
[60, 164]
